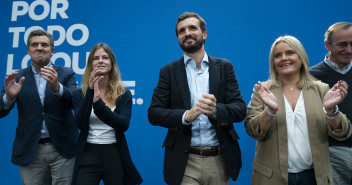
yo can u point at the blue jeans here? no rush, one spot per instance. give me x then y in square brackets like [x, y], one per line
[306, 177]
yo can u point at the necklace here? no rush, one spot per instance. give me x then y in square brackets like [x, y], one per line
[292, 88]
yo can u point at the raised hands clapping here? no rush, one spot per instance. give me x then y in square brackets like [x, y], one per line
[50, 75]
[335, 95]
[268, 98]
[95, 77]
[12, 88]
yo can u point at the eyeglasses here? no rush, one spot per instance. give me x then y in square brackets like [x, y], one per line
[342, 44]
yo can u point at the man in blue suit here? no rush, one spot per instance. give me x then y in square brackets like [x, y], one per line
[198, 99]
[46, 136]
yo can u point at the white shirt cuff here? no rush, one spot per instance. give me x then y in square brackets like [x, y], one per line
[61, 91]
[183, 119]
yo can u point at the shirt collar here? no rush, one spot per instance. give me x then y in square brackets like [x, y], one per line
[187, 59]
[35, 71]
[335, 67]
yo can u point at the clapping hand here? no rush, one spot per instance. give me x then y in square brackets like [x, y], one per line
[50, 75]
[12, 88]
[268, 98]
[94, 83]
[335, 95]
[206, 106]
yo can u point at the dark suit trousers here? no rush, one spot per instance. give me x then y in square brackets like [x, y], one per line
[100, 162]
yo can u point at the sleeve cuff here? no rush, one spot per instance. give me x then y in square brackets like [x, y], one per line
[7, 102]
[183, 119]
[61, 91]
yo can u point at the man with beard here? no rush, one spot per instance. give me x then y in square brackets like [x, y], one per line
[337, 66]
[46, 137]
[198, 99]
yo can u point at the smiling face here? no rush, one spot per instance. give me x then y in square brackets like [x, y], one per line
[190, 36]
[102, 61]
[40, 51]
[339, 53]
[286, 60]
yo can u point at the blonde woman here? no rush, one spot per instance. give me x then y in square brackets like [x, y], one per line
[291, 116]
[102, 112]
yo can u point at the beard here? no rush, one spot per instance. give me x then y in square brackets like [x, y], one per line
[40, 58]
[192, 48]
[41, 62]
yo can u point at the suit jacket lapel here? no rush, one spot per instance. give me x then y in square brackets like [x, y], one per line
[214, 76]
[311, 106]
[47, 94]
[282, 132]
[32, 86]
[182, 83]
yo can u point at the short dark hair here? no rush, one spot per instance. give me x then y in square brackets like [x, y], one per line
[186, 15]
[40, 33]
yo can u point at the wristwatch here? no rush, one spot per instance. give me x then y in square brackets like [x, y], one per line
[213, 115]
[332, 115]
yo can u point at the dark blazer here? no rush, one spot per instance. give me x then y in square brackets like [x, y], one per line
[171, 98]
[56, 112]
[119, 120]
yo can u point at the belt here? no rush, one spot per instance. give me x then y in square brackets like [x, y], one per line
[44, 140]
[205, 152]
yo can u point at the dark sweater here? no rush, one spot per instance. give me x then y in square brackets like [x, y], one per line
[327, 75]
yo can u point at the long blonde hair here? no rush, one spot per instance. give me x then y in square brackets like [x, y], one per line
[306, 78]
[115, 88]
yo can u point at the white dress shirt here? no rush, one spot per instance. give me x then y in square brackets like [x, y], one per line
[299, 152]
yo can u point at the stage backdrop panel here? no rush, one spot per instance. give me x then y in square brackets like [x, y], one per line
[142, 35]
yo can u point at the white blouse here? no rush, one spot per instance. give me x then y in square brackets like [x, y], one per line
[99, 132]
[299, 152]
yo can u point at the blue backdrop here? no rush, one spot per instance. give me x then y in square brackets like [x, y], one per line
[141, 34]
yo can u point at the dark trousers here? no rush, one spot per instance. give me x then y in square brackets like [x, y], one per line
[100, 162]
[306, 177]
